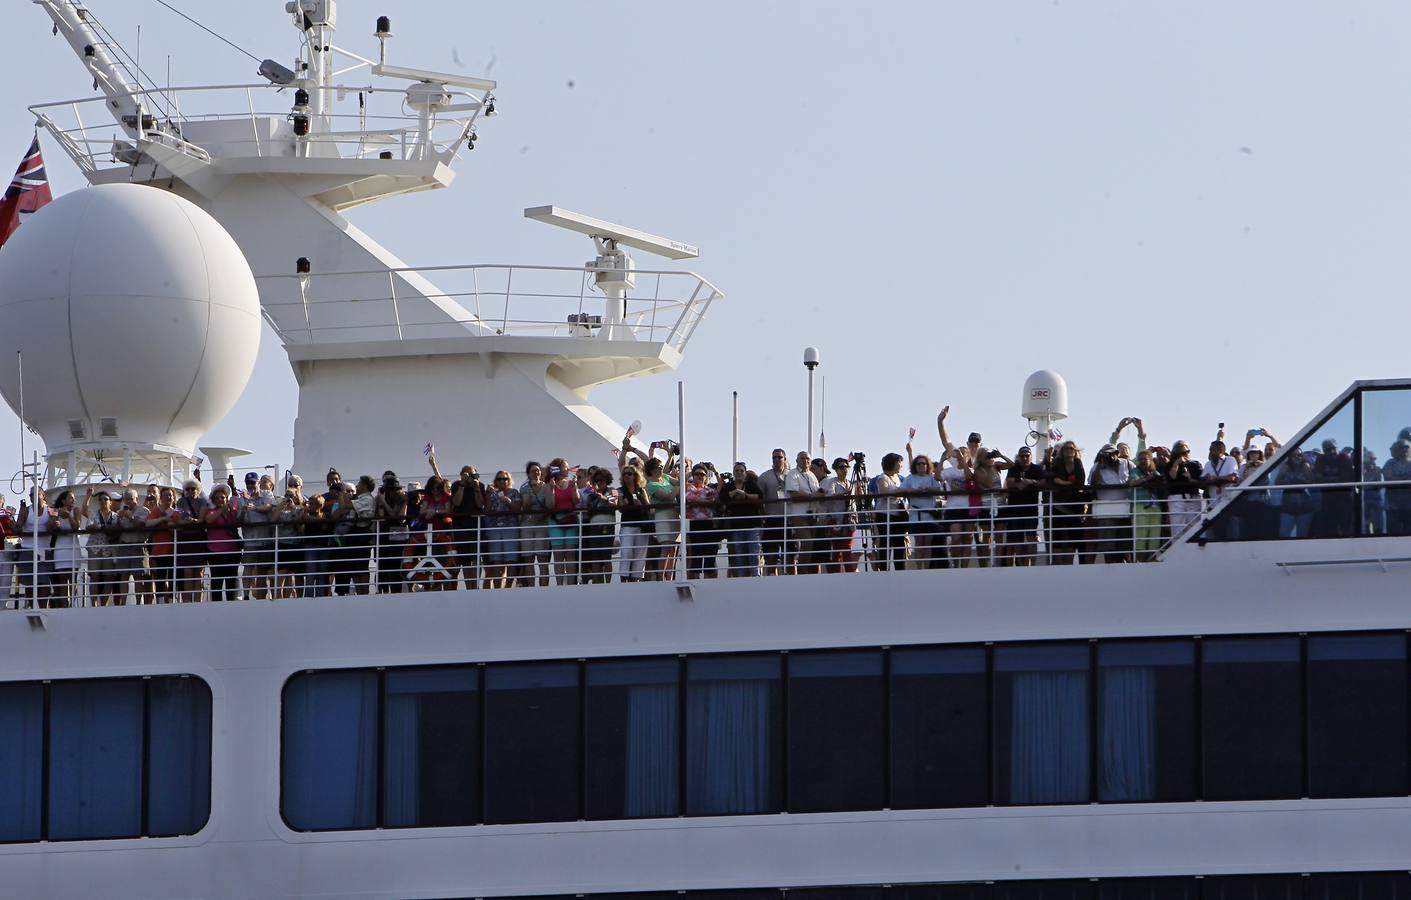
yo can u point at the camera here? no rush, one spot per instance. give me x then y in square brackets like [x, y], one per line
[727, 480]
[857, 456]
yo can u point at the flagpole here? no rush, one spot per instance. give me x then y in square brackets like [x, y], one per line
[19, 362]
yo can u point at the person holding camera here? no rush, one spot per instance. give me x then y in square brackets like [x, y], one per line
[776, 497]
[839, 517]
[702, 540]
[600, 513]
[1111, 505]
[101, 525]
[663, 488]
[740, 505]
[1183, 488]
[222, 544]
[467, 516]
[1070, 509]
[34, 511]
[502, 507]
[636, 509]
[535, 554]
[563, 520]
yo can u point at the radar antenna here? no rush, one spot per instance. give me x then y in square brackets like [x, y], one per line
[614, 269]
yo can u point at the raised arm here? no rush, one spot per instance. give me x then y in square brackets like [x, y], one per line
[941, 427]
[1117, 432]
[435, 469]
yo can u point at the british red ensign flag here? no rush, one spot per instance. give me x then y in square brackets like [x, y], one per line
[27, 192]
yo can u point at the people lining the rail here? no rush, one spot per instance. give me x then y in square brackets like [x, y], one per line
[969, 506]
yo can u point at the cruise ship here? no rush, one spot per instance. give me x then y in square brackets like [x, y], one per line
[1228, 720]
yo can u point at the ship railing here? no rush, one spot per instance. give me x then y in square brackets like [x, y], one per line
[851, 533]
[664, 306]
[378, 124]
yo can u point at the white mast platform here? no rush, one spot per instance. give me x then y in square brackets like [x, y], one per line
[487, 361]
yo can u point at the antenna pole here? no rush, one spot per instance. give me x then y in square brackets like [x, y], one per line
[19, 363]
[823, 419]
[681, 480]
[34, 504]
[734, 427]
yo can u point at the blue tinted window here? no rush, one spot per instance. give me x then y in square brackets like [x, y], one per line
[179, 756]
[1146, 721]
[1252, 718]
[632, 726]
[1360, 886]
[531, 751]
[940, 728]
[733, 725]
[1041, 724]
[95, 759]
[1254, 887]
[431, 747]
[1148, 889]
[21, 760]
[1357, 717]
[1043, 890]
[836, 766]
[329, 771]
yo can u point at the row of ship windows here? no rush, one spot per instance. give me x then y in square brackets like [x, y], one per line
[1161, 720]
[1109, 721]
[1334, 886]
[104, 758]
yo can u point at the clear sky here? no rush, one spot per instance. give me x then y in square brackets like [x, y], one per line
[1195, 212]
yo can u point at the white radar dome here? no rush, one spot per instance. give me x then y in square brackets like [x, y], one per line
[1045, 396]
[137, 316]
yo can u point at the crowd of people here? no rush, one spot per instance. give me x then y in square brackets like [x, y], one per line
[557, 523]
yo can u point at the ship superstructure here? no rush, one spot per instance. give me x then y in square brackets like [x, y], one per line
[280, 161]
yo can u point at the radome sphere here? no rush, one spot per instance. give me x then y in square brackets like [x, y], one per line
[137, 316]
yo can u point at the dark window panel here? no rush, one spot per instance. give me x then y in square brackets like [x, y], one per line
[940, 728]
[837, 731]
[431, 747]
[632, 726]
[1148, 889]
[21, 760]
[734, 761]
[1357, 716]
[531, 727]
[1073, 889]
[836, 893]
[95, 759]
[1252, 719]
[328, 772]
[179, 788]
[1360, 886]
[971, 890]
[1041, 724]
[1254, 887]
[1146, 719]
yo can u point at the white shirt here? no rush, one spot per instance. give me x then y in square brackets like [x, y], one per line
[954, 480]
[800, 481]
[1223, 469]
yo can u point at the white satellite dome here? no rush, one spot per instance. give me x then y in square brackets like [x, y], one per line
[137, 315]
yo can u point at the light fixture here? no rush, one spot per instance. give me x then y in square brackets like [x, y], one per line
[685, 592]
